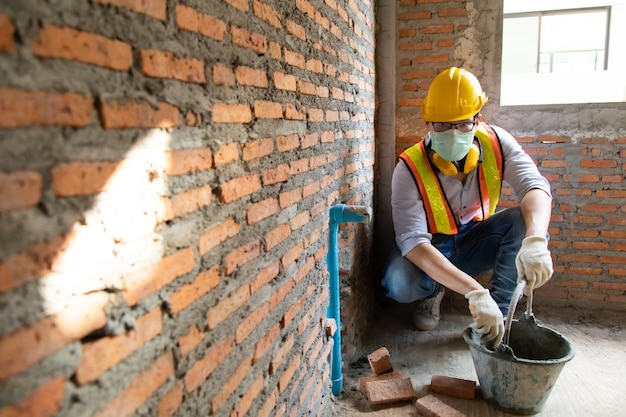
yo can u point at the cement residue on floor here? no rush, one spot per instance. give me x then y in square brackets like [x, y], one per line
[591, 385]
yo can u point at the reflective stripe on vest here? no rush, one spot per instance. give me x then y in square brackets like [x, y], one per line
[438, 212]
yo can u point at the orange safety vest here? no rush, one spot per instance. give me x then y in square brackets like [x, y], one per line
[490, 172]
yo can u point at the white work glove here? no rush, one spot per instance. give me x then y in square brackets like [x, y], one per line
[488, 320]
[534, 263]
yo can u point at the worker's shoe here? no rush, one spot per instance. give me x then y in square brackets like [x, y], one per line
[426, 314]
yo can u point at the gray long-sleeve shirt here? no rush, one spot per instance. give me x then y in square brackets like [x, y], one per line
[409, 217]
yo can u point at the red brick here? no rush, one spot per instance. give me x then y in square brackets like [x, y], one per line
[45, 401]
[289, 198]
[294, 58]
[7, 30]
[82, 178]
[267, 110]
[265, 343]
[287, 143]
[218, 234]
[292, 112]
[239, 187]
[19, 190]
[141, 388]
[153, 8]
[266, 275]
[74, 45]
[280, 356]
[192, 20]
[227, 306]
[456, 387]
[431, 406]
[248, 397]
[262, 210]
[275, 175]
[267, 13]
[241, 256]
[251, 322]
[279, 295]
[163, 64]
[83, 315]
[231, 385]
[277, 235]
[380, 361]
[104, 353]
[292, 254]
[251, 77]
[223, 75]
[258, 149]
[386, 391]
[130, 113]
[141, 284]
[20, 108]
[239, 4]
[188, 160]
[203, 368]
[296, 30]
[187, 294]
[227, 154]
[231, 113]
[189, 341]
[170, 402]
[285, 378]
[254, 41]
[187, 202]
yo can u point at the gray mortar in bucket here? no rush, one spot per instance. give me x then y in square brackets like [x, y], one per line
[518, 375]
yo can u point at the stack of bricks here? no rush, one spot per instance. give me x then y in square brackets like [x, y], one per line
[166, 173]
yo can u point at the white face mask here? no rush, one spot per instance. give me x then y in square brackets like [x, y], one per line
[452, 145]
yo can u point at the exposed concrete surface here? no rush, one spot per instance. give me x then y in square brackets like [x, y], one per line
[589, 385]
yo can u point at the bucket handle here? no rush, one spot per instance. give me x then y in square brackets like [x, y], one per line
[528, 315]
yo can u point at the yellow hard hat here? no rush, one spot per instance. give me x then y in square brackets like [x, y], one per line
[455, 94]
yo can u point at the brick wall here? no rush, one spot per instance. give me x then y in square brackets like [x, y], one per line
[579, 148]
[166, 170]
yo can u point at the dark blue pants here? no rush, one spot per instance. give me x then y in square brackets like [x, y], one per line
[480, 246]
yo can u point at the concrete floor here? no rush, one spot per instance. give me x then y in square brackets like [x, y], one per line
[590, 385]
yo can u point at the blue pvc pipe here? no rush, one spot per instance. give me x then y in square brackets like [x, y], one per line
[339, 213]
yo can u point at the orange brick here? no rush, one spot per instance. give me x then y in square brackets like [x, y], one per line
[292, 112]
[163, 64]
[380, 361]
[7, 30]
[280, 356]
[82, 178]
[267, 13]
[296, 30]
[275, 175]
[190, 19]
[82, 316]
[202, 368]
[265, 276]
[239, 187]
[280, 294]
[145, 282]
[141, 388]
[218, 234]
[231, 385]
[292, 254]
[241, 256]
[267, 110]
[104, 353]
[248, 397]
[20, 108]
[130, 113]
[386, 391]
[294, 58]
[223, 75]
[287, 143]
[45, 401]
[239, 4]
[284, 81]
[456, 387]
[251, 322]
[277, 235]
[187, 294]
[227, 306]
[188, 160]
[227, 154]
[72, 44]
[262, 210]
[189, 341]
[251, 77]
[258, 149]
[153, 8]
[231, 113]
[170, 401]
[254, 41]
[285, 378]
[289, 198]
[431, 406]
[265, 343]
[19, 190]
[187, 202]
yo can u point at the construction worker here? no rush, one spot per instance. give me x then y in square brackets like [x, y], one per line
[444, 195]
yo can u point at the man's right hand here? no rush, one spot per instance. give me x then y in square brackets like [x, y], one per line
[488, 320]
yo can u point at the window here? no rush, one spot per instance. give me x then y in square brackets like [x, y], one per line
[563, 54]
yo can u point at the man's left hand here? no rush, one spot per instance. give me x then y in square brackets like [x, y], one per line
[534, 263]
